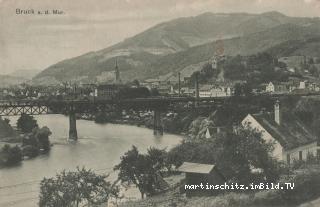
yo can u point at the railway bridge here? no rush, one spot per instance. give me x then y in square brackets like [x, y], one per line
[158, 105]
[72, 107]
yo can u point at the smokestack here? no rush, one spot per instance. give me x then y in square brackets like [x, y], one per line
[277, 112]
[197, 89]
[179, 84]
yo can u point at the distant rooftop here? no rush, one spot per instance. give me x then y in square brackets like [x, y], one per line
[190, 167]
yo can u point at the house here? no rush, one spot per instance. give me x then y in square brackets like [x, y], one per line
[211, 131]
[270, 88]
[215, 91]
[302, 85]
[188, 91]
[278, 88]
[107, 91]
[197, 174]
[164, 89]
[293, 139]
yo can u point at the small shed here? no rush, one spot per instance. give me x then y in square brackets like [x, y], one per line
[197, 174]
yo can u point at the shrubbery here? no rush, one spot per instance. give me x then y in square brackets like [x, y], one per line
[142, 170]
[306, 188]
[30, 151]
[26, 123]
[10, 155]
[38, 139]
[79, 188]
[235, 154]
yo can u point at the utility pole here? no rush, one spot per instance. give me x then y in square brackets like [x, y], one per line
[75, 90]
[65, 87]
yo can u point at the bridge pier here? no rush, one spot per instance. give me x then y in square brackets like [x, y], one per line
[73, 135]
[157, 124]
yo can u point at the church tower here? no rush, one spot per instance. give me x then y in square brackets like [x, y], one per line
[117, 73]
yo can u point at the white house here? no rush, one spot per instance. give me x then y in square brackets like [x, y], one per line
[270, 87]
[293, 139]
[302, 85]
[215, 91]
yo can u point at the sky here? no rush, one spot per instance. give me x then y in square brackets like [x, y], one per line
[36, 41]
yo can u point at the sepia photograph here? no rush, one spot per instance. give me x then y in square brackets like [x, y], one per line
[160, 103]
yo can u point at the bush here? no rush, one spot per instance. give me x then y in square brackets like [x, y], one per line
[76, 188]
[39, 138]
[43, 137]
[234, 153]
[10, 155]
[306, 187]
[26, 123]
[30, 151]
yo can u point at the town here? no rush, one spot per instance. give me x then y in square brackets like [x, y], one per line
[184, 83]
[177, 104]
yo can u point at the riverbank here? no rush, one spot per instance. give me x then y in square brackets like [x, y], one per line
[173, 123]
[99, 148]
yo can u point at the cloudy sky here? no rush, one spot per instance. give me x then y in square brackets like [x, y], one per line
[38, 41]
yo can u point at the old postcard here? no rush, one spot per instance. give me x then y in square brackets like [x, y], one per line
[169, 103]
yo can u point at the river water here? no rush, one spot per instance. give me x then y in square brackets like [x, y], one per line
[99, 147]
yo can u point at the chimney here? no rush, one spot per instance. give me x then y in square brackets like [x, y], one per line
[277, 112]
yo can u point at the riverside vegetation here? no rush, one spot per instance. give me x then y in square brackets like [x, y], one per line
[32, 141]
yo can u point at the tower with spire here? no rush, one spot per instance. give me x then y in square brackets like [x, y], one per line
[117, 73]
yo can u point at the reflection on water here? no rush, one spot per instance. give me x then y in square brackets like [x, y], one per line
[99, 147]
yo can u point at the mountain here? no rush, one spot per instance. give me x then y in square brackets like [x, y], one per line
[308, 47]
[173, 45]
[269, 40]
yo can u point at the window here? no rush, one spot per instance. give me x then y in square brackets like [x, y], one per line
[288, 159]
[300, 155]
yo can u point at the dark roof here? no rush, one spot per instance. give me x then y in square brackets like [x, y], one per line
[290, 133]
[190, 167]
[109, 86]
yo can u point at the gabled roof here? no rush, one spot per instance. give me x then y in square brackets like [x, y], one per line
[190, 167]
[291, 132]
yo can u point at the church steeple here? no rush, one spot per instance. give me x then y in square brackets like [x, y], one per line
[117, 72]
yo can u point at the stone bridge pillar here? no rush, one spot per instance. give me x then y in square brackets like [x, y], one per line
[73, 135]
[157, 124]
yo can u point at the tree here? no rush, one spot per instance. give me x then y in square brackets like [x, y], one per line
[235, 153]
[38, 140]
[10, 155]
[138, 169]
[75, 188]
[26, 123]
[136, 83]
[43, 137]
[244, 89]
[158, 158]
[154, 92]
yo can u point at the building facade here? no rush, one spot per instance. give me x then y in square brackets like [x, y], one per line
[293, 140]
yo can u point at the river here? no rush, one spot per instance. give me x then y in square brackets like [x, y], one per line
[99, 147]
